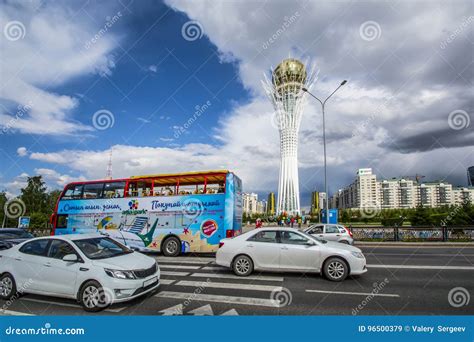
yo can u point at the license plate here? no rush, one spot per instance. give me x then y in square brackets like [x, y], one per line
[149, 281]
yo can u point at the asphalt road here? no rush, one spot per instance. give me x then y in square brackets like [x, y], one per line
[400, 281]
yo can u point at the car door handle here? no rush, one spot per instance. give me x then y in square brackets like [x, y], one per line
[249, 245]
[284, 248]
[338, 234]
[18, 259]
[47, 264]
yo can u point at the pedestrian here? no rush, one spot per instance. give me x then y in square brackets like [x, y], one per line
[258, 223]
[292, 221]
[299, 223]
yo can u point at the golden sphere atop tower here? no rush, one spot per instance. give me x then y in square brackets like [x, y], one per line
[289, 71]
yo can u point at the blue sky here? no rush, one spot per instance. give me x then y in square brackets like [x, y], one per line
[395, 115]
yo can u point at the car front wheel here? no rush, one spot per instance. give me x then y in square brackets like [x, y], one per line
[94, 297]
[336, 269]
[242, 266]
[7, 286]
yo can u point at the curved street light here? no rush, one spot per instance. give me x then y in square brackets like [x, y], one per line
[323, 103]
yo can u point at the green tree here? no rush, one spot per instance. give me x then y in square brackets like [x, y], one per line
[34, 196]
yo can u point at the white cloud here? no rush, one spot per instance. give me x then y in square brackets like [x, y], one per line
[22, 151]
[51, 53]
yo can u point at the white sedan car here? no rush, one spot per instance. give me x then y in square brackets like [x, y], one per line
[94, 269]
[287, 249]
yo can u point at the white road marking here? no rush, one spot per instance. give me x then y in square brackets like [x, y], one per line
[176, 267]
[14, 313]
[185, 259]
[179, 274]
[356, 293]
[67, 304]
[179, 261]
[231, 276]
[469, 255]
[214, 268]
[235, 286]
[231, 312]
[167, 281]
[205, 310]
[173, 311]
[423, 267]
[219, 299]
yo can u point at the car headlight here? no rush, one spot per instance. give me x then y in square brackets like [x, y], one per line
[358, 255]
[119, 274]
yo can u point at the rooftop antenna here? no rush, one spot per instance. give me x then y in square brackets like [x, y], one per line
[109, 166]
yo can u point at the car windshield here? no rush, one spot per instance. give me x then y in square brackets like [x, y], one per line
[101, 248]
[16, 234]
[313, 237]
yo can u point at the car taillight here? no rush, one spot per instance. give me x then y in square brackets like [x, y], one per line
[221, 244]
[229, 233]
[348, 231]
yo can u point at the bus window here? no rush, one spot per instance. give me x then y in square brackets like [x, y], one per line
[215, 188]
[93, 190]
[114, 190]
[73, 191]
[192, 189]
[141, 188]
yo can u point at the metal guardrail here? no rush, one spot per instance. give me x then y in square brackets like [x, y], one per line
[413, 234]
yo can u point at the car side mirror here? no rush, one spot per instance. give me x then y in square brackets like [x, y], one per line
[70, 258]
[310, 243]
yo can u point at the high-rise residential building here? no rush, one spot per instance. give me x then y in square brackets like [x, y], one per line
[249, 203]
[285, 90]
[261, 207]
[470, 176]
[396, 193]
[271, 204]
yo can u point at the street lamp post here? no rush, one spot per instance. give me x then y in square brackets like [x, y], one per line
[323, 104]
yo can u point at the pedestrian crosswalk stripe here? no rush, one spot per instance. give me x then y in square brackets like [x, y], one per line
[14, 313]
[170, 273]
[191, 267]
[214, 268]
[167, 281]
[220, 299]
[191, 260]
[231, 276]
[179, 261]
[235, 286]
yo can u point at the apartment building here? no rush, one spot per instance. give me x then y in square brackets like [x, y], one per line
[367, 192]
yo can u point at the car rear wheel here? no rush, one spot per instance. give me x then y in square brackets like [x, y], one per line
[242, 266]
[93, 297]
[336, 269]
[171, 247]
[7, 286]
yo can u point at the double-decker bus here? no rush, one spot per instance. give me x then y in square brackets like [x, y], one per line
[173, 213]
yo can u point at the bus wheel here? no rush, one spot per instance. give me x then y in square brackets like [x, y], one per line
[171, 247]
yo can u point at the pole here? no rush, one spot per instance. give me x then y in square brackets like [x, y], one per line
[325, 164]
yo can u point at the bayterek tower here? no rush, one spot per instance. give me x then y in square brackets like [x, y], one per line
[285, 92]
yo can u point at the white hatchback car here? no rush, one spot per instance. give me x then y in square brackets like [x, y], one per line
[331, 232]
[94, 269]
[287, 249]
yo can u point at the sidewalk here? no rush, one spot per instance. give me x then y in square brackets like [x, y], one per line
[411, 244]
